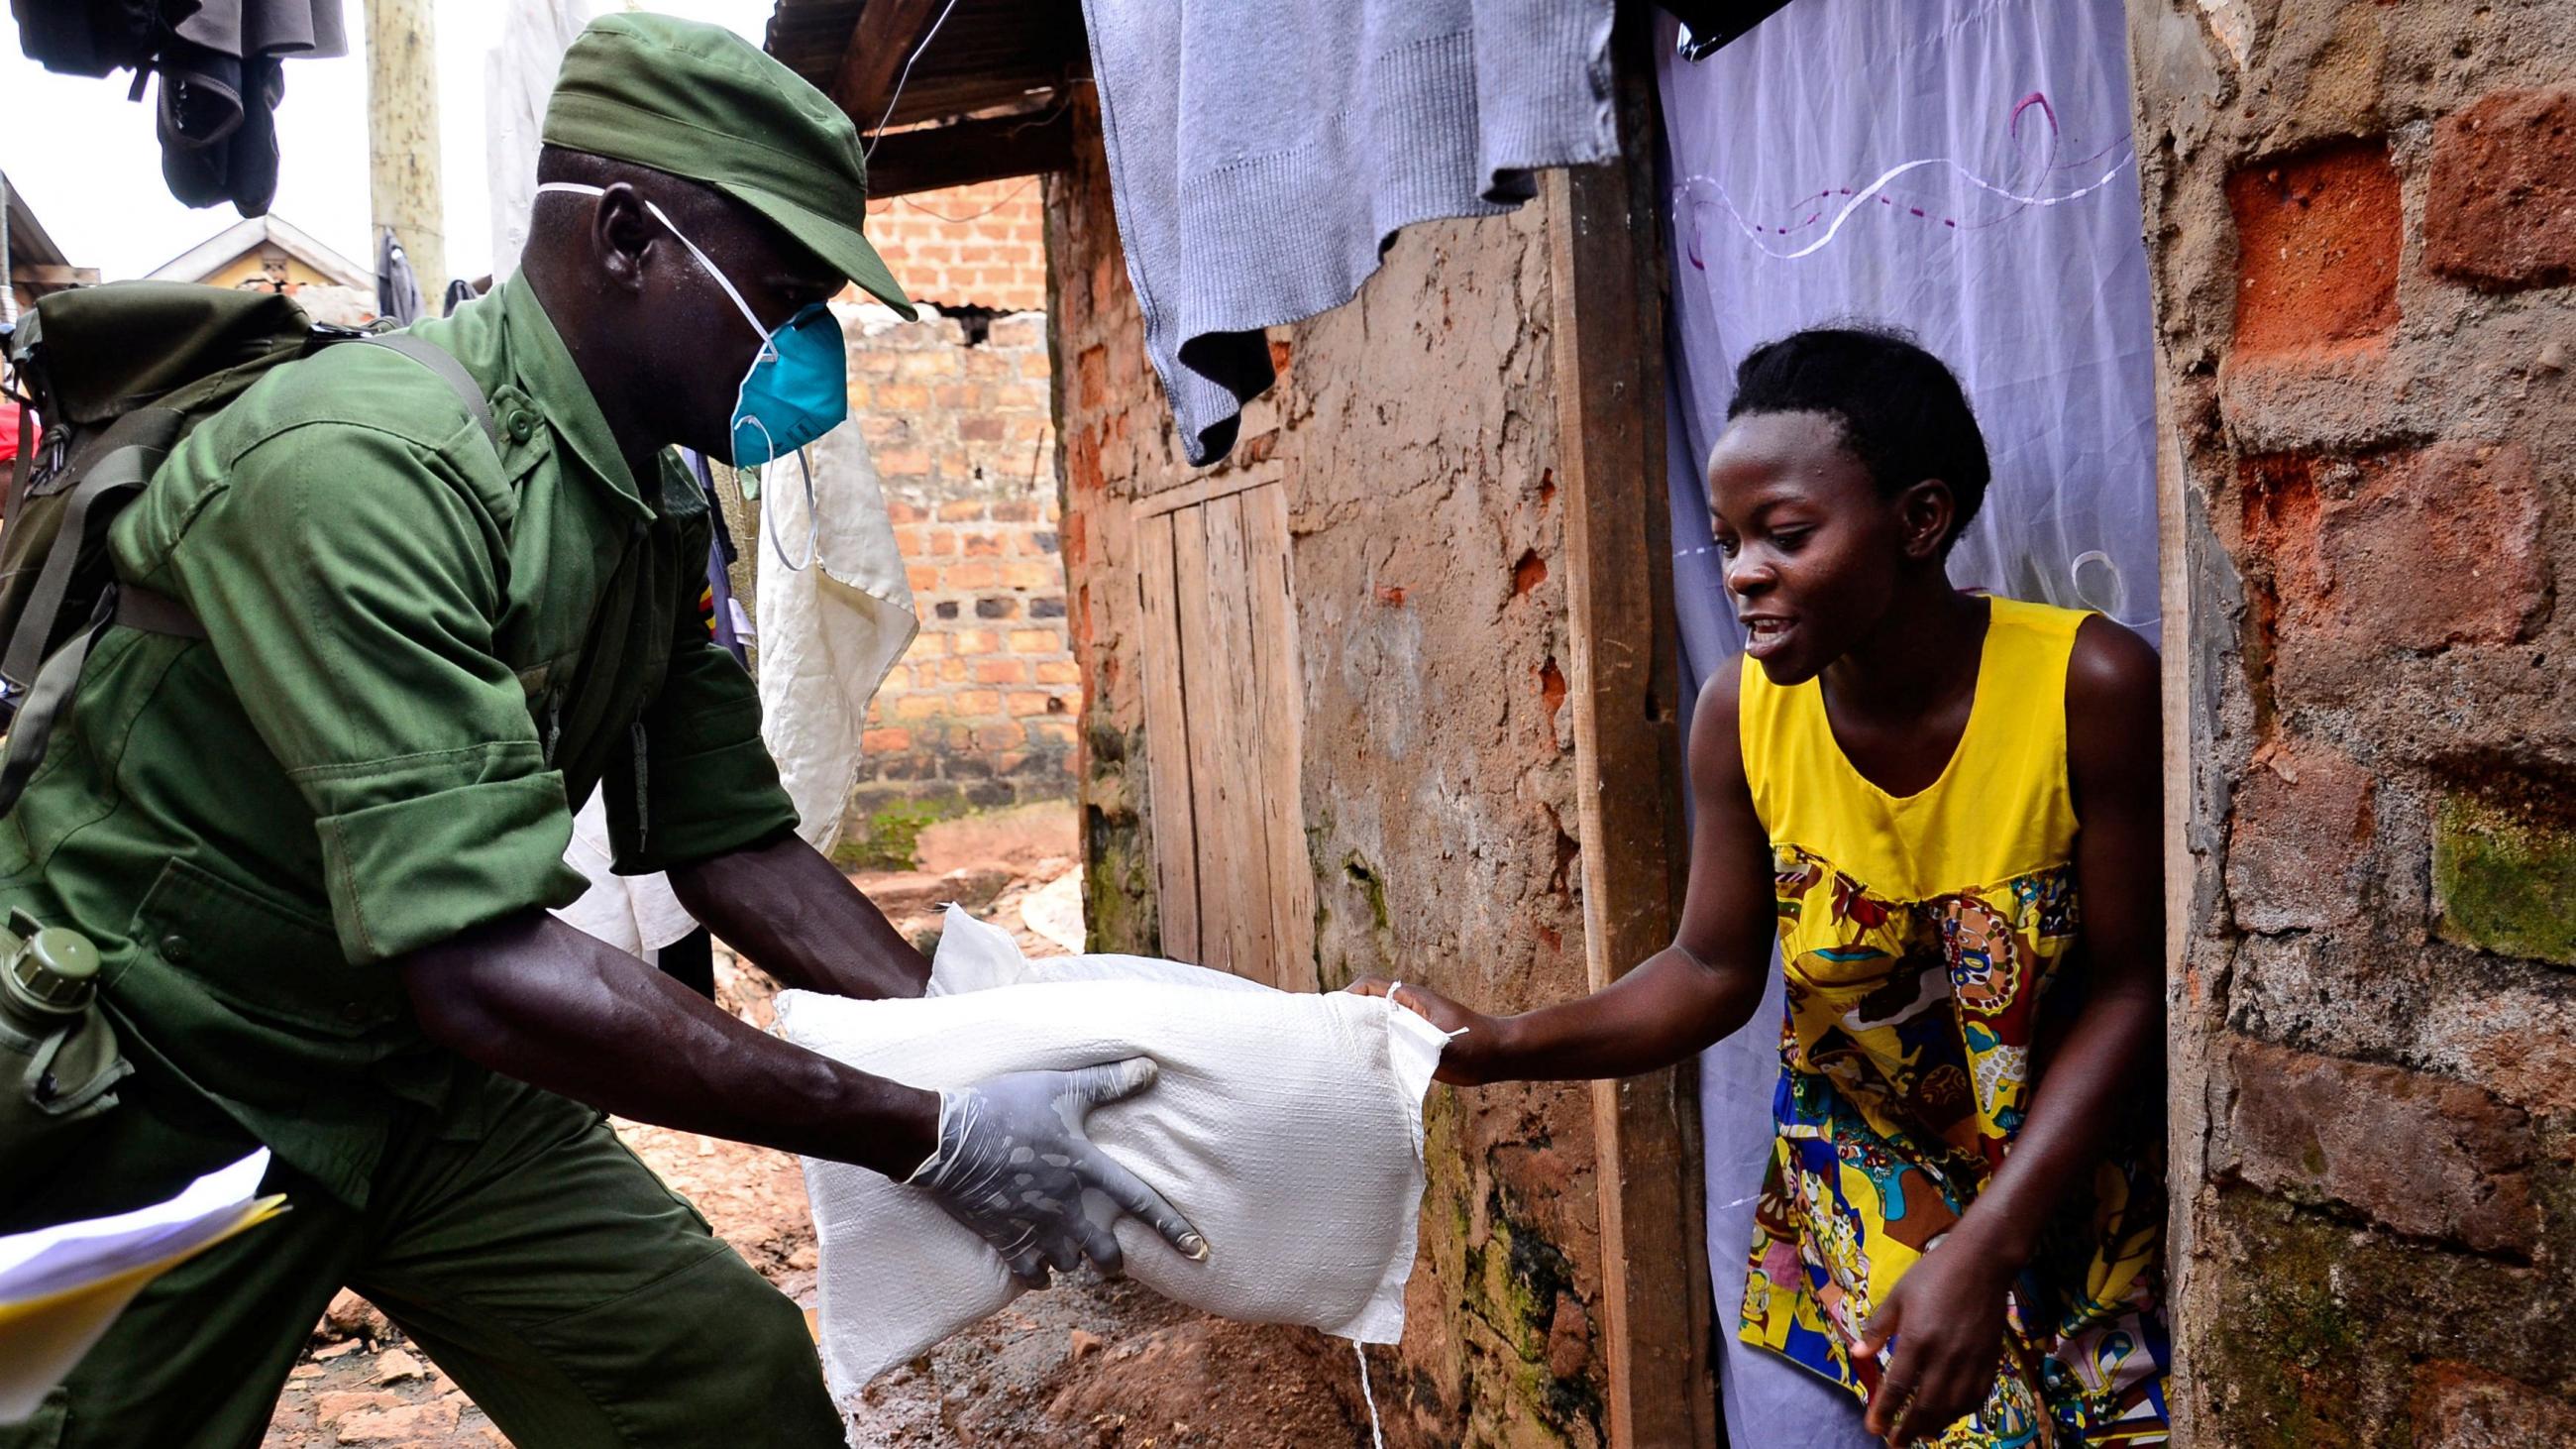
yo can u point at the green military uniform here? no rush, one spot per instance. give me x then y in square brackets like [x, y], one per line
[421, 649]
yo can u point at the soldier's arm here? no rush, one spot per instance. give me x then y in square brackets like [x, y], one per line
[532, 998]
[795, 915]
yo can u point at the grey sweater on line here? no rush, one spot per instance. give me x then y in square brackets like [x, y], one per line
[1263, 155]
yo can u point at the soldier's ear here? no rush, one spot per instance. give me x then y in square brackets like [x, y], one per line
[622, 231]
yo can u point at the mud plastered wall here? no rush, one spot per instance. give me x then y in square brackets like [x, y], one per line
[1414, 431]
[2362, 220]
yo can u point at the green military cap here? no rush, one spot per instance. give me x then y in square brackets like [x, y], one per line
[699, 101]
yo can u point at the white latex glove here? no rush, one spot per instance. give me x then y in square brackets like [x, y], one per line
[1012, 1163]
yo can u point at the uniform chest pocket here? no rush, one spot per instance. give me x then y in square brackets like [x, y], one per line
[266, 961]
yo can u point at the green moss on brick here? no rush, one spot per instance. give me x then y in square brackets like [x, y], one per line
[2504, 872]
[2288, 1338]
[889, 838]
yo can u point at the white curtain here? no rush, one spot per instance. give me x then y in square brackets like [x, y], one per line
[518, 78]
[1962, 169]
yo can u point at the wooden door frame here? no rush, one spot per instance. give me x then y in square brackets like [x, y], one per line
[1606, 263]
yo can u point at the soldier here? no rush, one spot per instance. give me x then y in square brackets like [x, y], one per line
[316, 846]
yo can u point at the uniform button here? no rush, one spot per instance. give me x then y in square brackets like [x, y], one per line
[174, 948]
[523, 424]
[355, 1011]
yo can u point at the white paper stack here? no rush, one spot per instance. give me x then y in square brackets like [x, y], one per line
[61, 1286]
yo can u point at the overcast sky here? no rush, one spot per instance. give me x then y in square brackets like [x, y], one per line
[85, 160]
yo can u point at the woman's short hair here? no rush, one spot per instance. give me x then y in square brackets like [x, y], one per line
[1901, 409]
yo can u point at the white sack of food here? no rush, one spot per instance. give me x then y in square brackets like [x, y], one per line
[1287, 1127]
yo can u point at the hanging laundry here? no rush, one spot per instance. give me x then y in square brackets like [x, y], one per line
[397, 289]
[835, 614]
[221, 77]
[1262, 157]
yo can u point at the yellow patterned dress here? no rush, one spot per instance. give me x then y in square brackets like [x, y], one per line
[1927, 942]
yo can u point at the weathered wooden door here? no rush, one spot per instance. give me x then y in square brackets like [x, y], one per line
[1224, 711]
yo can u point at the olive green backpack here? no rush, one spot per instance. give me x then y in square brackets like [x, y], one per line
[119, 375]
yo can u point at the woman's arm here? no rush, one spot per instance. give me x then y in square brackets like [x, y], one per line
[1949, 1307]
[1700, 988]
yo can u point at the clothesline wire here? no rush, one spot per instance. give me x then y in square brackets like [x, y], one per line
[900, 80]
[972, 215]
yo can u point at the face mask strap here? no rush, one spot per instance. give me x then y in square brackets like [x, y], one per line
[577, 189]
[813, 516]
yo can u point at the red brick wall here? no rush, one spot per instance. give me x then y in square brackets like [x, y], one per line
[969, 246]
[956, 412]
[2362, 220]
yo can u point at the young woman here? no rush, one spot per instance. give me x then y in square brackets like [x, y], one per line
[1947, 807]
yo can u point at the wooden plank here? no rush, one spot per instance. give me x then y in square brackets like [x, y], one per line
[1608, 346]
[879, 44]
[1202, 490]
[1280, 687]
[1211, 793]
[1167, 744]
[1237, 852]
[928, 158]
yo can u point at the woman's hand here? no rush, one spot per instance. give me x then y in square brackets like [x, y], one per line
[1947, 1315]
[1471, 1060]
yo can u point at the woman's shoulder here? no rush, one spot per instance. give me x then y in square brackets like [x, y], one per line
[2109, 667]
[2028, 616]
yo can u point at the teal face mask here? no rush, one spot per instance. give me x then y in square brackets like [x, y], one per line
[797, 387]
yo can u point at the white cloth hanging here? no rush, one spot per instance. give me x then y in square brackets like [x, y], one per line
[637, 914]
[829, 631]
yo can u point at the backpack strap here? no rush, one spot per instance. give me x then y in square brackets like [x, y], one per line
[450, 371]
[46, 702]
[131, 449]
[19, 470]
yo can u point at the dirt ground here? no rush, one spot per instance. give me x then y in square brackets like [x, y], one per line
[1087, 1364]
